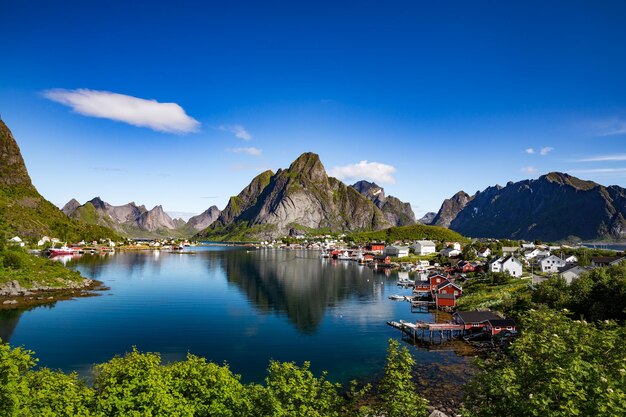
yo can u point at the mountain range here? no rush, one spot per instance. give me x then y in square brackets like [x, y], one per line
[303, 198]
[137, 221]
[556, 206]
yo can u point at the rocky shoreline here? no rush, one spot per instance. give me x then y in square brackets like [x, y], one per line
[14, 296]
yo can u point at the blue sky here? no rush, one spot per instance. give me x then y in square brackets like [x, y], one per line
[435, 96]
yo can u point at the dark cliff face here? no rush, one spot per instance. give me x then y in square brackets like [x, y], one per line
[450, 208]
[552, 207]
[300, 197]
[396, 212]
[12, 168]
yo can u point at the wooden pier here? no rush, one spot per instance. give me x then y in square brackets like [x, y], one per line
[428, 332]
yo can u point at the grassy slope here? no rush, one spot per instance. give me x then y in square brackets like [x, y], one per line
[412, 232]
[16, 264]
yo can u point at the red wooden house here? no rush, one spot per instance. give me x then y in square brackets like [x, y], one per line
[449, 287]
[375, 247]
[474, 320]
[381, 259]
[495, 326]
[445, 300]
[465, 266]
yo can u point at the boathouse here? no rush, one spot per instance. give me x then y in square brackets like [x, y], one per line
[495, 326]
[445, 300]
[474, 320]
[382, 259]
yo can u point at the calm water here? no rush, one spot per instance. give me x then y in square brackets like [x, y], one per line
[226, 304]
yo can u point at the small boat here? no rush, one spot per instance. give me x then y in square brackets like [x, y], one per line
[63, 250]
[396, 297]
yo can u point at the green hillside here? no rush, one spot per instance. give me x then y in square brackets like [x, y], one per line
[412, 232]
[24, 212]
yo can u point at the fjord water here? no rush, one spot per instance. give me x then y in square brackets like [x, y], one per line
[229, 304]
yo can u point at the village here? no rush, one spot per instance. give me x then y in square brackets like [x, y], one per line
[437, 272]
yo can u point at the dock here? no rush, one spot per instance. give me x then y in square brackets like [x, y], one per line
[428, 332]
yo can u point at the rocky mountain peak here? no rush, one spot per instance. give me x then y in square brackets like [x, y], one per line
[371, 190]
[450, 208]
[308, 165]
[70, 206]
[204, 219]
[566, 179]
[12, 168]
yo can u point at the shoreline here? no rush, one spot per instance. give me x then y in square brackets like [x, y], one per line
[24, 298]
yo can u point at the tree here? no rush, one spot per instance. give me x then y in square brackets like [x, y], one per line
[293, 391]
[136, 385]
[397, 390]
[558, 367]
[14, 364]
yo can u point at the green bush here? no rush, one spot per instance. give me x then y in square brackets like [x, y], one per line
[12, 260]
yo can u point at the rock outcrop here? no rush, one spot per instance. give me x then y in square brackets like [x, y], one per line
[302, 197]
[450, 208]
[396, 212]
[204, 219]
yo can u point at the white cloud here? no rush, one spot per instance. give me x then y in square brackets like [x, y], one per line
[530, 151]
[545, 150]
[162, 117]
[250, 151]
[237, 130]
[372, 171]
[603, 158]
[529, 170]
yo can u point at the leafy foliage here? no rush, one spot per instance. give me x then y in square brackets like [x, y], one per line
[558, 367]
[137, 384]
[397, 389]
[597, 295]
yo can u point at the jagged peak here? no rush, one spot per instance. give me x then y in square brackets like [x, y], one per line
[567, 179]
[12, 168]
[307, 163]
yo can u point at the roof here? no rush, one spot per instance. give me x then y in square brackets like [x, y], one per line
[447, 282]
[476, 316]
[502, 322]
[510, 249]
[446, 296]
[398, 247]
[606, 259]
[426, 242]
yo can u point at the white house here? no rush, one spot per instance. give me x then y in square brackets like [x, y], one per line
[572, 272]
[16, 241]
[424, 247]
[450, 252]
[509, 249]
[572, 259]
[396, 251]
[484, 253]
[455, 245]
[551, 264]
[528, 245]
[509, 264]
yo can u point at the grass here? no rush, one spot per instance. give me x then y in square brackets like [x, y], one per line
[15, 264]
[495, 294]
[412, 232]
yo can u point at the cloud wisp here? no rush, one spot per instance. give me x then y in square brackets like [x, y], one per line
[609, 127]
[529, 170]
[162, 117]
[599, 171]
[364, 170]
[530, 151]
[604, 158]
[238, 130]
[247, 150]
[545, 150]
